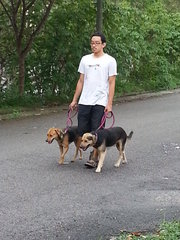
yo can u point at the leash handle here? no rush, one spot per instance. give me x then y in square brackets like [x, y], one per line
[70, 115]
[104, 117]
[69, 121]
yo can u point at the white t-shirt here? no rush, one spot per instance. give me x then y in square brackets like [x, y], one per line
[96, 73]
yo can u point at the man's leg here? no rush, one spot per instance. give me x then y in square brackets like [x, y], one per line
[84, 114]
[97, 113]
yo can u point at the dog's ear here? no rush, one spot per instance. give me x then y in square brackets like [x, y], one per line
[94, 138]
[90, 138]
[60, 134]
[57, 131]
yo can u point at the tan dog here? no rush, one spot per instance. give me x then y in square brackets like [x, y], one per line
[64, 138]
[104, 138]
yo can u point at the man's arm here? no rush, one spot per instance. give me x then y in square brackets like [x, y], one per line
[112, 80]
[78, 91]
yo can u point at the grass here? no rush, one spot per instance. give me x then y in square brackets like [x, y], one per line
[12, 112]
[167, 231]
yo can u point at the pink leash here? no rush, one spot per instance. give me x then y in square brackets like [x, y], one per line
[69, 121]
[107, 115]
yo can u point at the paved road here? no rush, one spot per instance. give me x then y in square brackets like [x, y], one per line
[40, 200]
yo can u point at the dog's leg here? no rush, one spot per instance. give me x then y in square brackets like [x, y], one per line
[61, 153]
[95, 155]
[101, 160]
[124, 160]
[65, 149]
[80, 154]
[76, 153]
[61, 150]
[117, 164]
[121, 154]
[77, 144]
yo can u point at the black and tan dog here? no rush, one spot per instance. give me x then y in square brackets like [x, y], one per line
[104, 138]
[64, 138]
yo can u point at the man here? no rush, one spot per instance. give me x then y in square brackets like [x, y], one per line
[95, 87]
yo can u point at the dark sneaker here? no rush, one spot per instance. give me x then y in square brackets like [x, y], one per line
[91, 163]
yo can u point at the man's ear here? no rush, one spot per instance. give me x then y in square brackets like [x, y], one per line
[104, 45]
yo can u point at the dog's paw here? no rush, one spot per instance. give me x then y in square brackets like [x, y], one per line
[61, 162]
[98, 170]
[116, 165]
[124, 161]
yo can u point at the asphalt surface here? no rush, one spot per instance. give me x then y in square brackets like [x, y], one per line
[40, 200]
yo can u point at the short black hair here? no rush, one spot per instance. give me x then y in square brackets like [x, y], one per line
[101, 35]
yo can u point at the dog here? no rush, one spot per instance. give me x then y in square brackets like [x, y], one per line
[64, 138]
[103, 138]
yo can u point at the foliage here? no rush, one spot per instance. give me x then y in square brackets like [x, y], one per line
[25, 20]
[58, 50]
[146, 41]
[143, 35]
[8, 60]
[172, 5]
[168, 231]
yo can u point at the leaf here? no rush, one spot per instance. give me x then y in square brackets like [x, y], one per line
[137, 234]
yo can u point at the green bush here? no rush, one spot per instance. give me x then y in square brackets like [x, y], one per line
[144, 37]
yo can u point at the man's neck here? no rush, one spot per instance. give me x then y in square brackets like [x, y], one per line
[97, 55]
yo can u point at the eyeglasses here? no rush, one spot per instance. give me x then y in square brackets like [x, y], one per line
[95, 43]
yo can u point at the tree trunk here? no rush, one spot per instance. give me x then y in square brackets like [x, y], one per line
[21, 74]
[17, 11]
[99, 16]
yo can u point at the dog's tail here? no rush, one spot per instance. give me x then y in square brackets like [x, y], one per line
[130, 135]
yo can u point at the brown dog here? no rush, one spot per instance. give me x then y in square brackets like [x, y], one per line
[104, 138]
[64, 138]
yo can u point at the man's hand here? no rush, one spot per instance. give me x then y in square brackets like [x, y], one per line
[73, 105]
[108, 108]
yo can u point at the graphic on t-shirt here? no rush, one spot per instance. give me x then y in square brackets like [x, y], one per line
[94, 65]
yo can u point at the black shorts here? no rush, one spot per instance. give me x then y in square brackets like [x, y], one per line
[89, 117]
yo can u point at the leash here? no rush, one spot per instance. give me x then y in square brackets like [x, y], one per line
[107, 115]
[69, 121]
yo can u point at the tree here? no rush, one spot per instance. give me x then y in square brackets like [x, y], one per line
[26, 19]
[99, 16]
[57, 50]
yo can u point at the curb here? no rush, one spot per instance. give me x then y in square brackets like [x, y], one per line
[120, 99]
[129, 98]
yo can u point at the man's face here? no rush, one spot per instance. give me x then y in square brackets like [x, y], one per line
[96, 44]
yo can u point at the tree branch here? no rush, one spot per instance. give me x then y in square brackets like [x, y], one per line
[17, 6]
[30, 5]
[39, 26]
[21, 30]
[6, 11]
